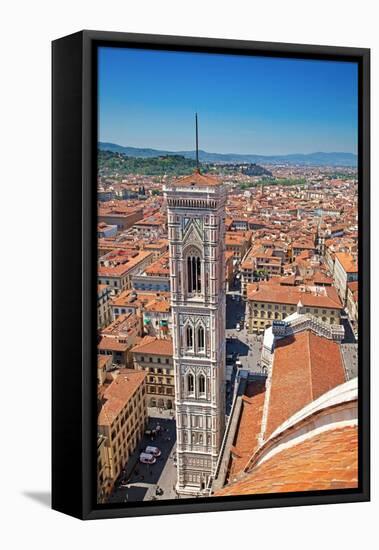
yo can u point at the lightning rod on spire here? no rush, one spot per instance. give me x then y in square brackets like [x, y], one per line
[197, 144]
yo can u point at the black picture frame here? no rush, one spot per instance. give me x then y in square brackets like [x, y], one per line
[74, 137]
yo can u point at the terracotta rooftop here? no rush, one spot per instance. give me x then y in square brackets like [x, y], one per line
[249, 427]
[328, 460]
[118, 393]
[112, 344]
[122, 268]
[347, 261]
[306, 245]
[160, 267]
[136, 298]
[235, 238]
[305, 367]
[154, 346]
[321, 278]
[159, 305]
[272, 292]
[197, 179]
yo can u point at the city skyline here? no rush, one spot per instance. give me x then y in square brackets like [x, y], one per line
[310, 105]
[228, 293]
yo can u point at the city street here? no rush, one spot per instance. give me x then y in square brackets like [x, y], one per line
[245, 347]
[349, 349]
[140, 481]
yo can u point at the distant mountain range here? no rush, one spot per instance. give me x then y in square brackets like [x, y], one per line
[310, 159]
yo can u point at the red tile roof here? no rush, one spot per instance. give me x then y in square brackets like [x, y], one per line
[249, 427]
[347, 261]
[112, 344]
[282, 294]
[154, 346]
[305, 366]
[328, 460]
[197, 179]
[118, 393]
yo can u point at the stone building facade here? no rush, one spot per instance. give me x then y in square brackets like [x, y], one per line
[196, 206]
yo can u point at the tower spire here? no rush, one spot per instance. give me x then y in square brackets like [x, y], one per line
[197, 144]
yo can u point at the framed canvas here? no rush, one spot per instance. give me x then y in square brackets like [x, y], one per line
[211, 334]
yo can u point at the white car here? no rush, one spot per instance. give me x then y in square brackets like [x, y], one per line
[150, 450]
[147, 458]
[238, 327]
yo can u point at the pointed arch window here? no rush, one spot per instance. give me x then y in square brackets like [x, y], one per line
[189, 337]
[193, 272]
[190, 383]
[202, 384]
[200, 338]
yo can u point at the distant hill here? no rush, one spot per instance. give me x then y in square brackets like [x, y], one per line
[115, 162]
[111, 163]
[310, 159]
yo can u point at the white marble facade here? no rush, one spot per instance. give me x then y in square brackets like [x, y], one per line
[197, 269]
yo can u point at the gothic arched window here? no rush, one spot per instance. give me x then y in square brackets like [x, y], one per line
[193, 272]
[189, 336]
[190, 383]
[200, 337]
[201, 384]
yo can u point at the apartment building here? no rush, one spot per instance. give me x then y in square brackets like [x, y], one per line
[345, 271]
[122, 421]
[154, 357]
[116, 269]
[237, 242]
[115, 213]
[119, 337]
[269, 301]
[103, 306]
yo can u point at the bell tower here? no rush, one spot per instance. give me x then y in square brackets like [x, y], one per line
[196, 213]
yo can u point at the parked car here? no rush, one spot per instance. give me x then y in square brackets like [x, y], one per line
[150, 450]
[147, 458]
[238, 327]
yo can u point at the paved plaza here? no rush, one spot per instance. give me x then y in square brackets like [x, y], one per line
[140, 481]
[245, 347]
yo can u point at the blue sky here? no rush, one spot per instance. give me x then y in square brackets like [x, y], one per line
[255, 105]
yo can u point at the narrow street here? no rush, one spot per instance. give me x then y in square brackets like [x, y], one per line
[140, 481]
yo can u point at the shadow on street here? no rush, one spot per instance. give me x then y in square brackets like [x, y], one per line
[138, 478]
